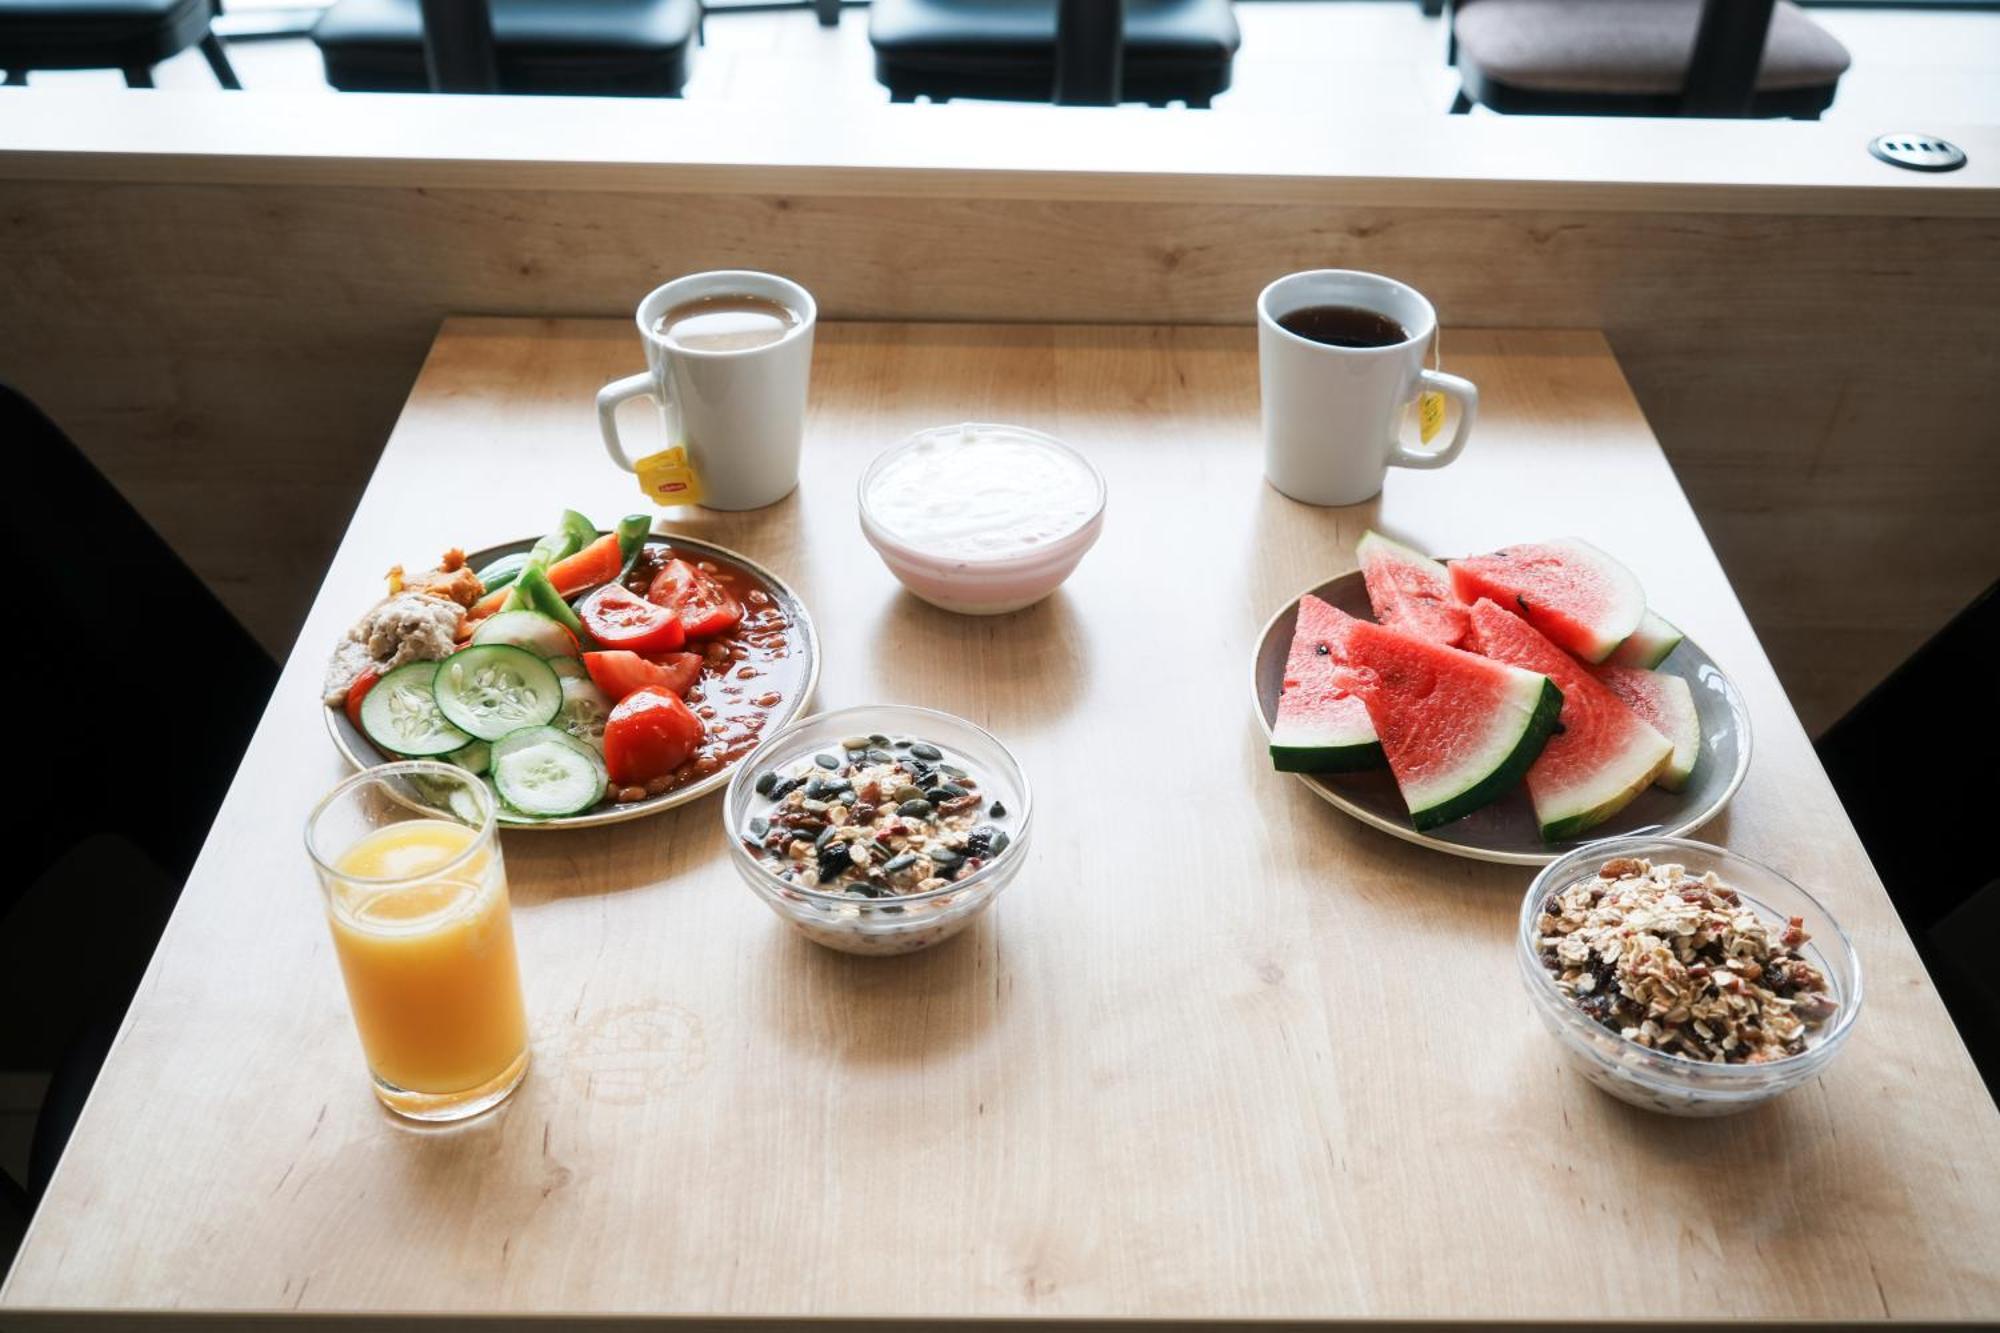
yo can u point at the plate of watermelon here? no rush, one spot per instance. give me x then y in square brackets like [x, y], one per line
[1504, 707]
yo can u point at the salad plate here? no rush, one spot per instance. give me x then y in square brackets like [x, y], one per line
[791, 680]
[1505, 831]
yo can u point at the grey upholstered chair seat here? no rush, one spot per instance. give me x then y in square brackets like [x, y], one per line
[1626, 47]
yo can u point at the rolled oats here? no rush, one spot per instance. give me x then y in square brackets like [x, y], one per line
[1682, 964]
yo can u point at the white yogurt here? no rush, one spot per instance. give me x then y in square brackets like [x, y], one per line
[981, 519]
[982, 492]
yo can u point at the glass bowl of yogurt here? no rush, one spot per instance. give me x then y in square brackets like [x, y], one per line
[882, 829]
[980, 518]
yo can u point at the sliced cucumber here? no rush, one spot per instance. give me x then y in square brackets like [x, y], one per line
[401, 714]
[490, 689]
[529, 630]
[474, 758]
[569, 668]
[585, 710]
[544, 772]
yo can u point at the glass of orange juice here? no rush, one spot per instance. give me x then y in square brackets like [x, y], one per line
[416, 893]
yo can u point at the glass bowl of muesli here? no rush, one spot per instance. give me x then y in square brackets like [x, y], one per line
[1685, 978]
[882, 829]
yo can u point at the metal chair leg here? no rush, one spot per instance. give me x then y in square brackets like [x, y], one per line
[138, 76]
[218, 60]
[1461, 103]
[828, 12]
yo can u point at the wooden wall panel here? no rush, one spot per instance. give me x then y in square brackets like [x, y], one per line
[234, 354]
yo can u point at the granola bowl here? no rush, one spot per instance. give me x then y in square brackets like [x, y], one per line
[882, 829]
[1713, 1003]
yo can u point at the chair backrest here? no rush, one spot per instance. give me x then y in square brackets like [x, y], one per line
[159, 687]
[1090, 52]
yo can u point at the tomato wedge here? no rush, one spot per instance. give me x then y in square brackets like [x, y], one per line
[596, 563]
[649, 735]
[704, 606]
[621, 672]
[618, 618]
[366, 682]
[683, 670]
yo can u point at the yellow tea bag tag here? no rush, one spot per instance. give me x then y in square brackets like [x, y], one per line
[668, 477]
[1430, 415]
[1430, 405]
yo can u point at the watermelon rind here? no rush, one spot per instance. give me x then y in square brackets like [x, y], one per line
[1620, 781]
[1649, 645]
[1342, 742]
[1664, 702]
[1499, 765]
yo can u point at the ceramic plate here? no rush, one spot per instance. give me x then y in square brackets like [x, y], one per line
[356, 749]
[1505, 830]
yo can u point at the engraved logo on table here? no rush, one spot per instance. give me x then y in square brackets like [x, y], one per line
[628, 1054]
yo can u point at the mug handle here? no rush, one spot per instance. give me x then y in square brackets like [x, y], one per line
[1451, 386]
[609, 399]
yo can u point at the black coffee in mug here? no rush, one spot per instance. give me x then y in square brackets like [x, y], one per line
[1344, 326]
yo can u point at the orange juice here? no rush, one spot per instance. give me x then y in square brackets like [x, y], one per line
[429, 964]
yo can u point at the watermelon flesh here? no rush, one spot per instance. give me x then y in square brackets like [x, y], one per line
[1649, 645]
[1410, 591]
[1458, 730]
[1321, 727]
[1577, 596]
[1604, 755]
[1666, 704]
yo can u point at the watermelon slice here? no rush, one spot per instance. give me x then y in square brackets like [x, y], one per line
[1666, 704]
[1603, 756]
[1575, 594]
[1410, 591]
[1320, 727]
[1458, 730]
[1648, 645]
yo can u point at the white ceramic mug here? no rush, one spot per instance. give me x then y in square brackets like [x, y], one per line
[740, 414]
[1333, 416]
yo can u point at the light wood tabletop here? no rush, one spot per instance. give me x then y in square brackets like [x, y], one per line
[1219, 1052]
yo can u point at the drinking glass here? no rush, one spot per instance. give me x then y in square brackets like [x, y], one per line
[409, 862]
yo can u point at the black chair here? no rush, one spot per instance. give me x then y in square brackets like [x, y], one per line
[128, 35]
[1173, 50]
[1644, 58]
[636, 48]
[136, 729]
[1921, 790]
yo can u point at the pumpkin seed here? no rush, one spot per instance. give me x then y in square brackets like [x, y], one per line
[827, 760]
[915, 809]
[948, 792]
[929, 752]
[907, 793]
[766, 781]
[895, 863]
[854, 742]
[759, 827]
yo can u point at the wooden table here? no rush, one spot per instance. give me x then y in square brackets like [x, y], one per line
[1219, 1052]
